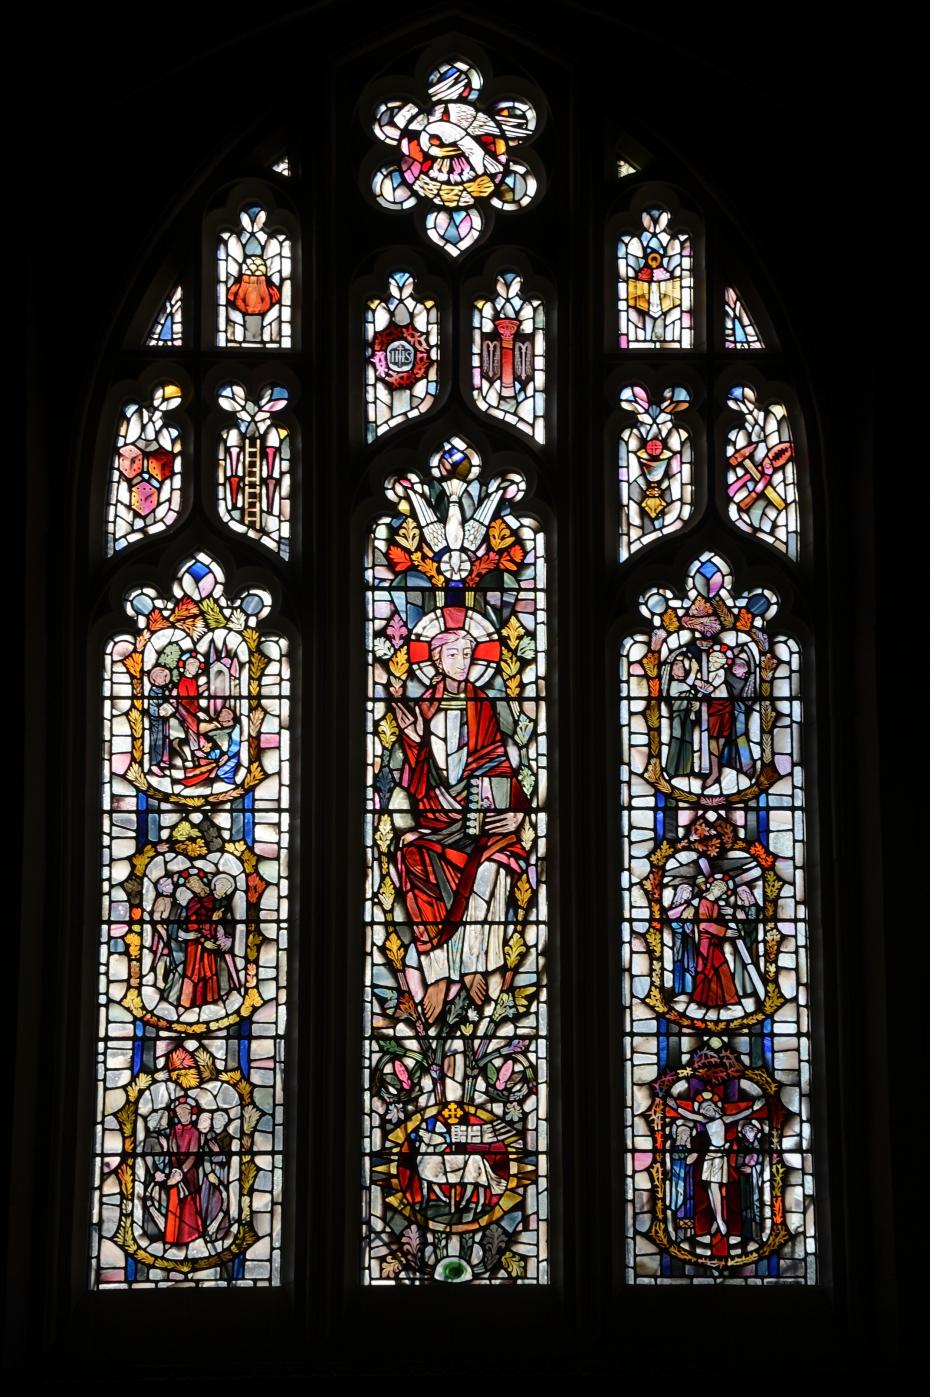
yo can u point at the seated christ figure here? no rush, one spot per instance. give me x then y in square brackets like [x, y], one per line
[457, 865]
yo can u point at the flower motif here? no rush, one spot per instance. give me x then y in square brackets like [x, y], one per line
[513, 1111]
[454, 154]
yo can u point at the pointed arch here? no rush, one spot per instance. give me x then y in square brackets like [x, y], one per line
[851, 967]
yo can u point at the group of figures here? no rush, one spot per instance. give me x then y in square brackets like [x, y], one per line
[722, 1125]
[192, 976]
[193, 960]
[192, 705]
[456, 915]
[187, 1158]
[710, 688]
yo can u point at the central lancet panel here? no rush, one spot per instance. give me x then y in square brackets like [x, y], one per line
[455, 1014]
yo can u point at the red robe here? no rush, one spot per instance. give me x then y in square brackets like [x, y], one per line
[437, 873]
[714, 985]
[720, 717]
[201, 984]
[183, 1220]
[189, 711]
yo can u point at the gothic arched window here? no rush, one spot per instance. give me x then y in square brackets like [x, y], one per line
[449, 527]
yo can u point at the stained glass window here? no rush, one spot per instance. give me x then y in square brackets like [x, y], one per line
[509, 356]
[401, 355]
[655, 285]
[193, 940]
[715, 939]
[168, 327]
[655, 459]
[456, 1076]
[254, 479]
[147, 468]
[253, 264]
[715, 1109]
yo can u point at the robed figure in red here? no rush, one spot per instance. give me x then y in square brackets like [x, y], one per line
[714, 985]
[199, 934]
[457, 865]
[183, 1216]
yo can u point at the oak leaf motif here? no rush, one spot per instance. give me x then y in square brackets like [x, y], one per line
[395, 950]
[401, 559]
[431, 571]
[523, 891]
[499, 534]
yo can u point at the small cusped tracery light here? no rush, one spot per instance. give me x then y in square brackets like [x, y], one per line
[145, 473]
[254, 465]
[401, 355]
[655, 285]
[253, 283]
[509, 356]
[655, 466]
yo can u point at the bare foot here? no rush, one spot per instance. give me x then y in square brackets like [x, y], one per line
[434, 999]
[477, 987]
